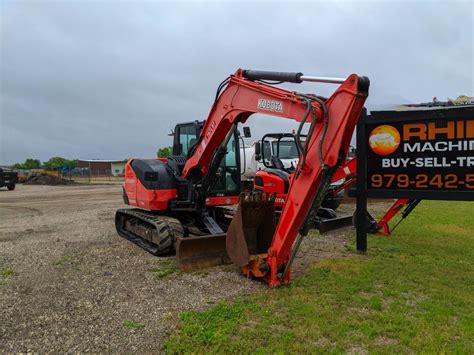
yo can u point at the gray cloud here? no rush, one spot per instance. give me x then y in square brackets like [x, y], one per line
[111, 79]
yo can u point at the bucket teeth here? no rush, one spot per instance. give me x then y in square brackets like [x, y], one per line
[252, 228]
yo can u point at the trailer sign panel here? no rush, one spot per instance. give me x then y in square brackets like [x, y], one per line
[423, 154]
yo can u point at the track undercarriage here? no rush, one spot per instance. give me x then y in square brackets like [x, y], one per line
[159, 234]
[154, 233]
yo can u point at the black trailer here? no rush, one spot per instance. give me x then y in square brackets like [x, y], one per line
[8, 179]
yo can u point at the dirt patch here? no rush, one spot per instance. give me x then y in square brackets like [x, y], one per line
[356, 350]
[48, 180]
[384, 341]
[77, 286]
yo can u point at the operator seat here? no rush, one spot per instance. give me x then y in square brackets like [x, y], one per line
[277, 163]
[191, 145]
[279, 170]
[192, 142]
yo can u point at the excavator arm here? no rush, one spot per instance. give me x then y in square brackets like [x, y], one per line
[331, 124]
[326, 149]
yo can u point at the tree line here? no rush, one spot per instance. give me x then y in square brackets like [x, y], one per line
[60, 162]
[53, 163]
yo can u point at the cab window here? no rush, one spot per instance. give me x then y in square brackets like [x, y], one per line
[285, 149]
[228, 173]
[267, 150]
[187, 138]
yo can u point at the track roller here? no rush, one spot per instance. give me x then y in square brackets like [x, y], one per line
[156, 234]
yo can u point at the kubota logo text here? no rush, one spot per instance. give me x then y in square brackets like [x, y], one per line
[270, 105]
[384, 140]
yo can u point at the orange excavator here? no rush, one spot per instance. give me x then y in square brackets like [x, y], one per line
[182, 202]
[275, 180]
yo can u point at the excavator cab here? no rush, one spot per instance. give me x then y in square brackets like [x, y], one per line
[279, 155]
[186, 136]
[280, 151]
[227, 182]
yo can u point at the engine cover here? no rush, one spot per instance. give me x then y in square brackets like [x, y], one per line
[149, 184]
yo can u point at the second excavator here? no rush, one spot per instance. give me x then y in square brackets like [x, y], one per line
[181, 202]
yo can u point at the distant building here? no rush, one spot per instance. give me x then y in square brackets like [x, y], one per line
[102, 167]
[117, 167]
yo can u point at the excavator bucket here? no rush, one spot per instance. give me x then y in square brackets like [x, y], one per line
[199, 252]
[251, 230]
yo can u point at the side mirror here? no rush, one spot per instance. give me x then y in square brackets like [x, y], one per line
[247, 133]
[258, 150]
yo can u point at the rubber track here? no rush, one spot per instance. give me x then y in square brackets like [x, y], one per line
[168, 230]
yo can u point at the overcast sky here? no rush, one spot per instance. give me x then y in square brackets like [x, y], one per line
[109, 80]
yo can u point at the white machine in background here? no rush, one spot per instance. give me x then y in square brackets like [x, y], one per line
[280, 145]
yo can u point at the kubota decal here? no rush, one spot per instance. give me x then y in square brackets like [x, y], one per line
[270, 105]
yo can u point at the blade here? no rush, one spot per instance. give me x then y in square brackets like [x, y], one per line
[327, 225]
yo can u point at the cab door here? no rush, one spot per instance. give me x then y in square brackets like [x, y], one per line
[228, 173]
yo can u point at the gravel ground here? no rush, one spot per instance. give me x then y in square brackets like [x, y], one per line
[69, 283]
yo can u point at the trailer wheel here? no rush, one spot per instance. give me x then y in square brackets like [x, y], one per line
[11, 187]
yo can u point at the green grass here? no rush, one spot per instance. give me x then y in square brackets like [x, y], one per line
[133, 325]
[413, 291]
[166, 268]
[6, 272]
[65, 260]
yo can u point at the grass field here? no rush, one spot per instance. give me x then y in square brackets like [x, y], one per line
[413, 291]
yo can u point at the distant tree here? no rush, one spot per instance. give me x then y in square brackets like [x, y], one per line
[28, 164]
[55, 162]
[72, 163]
[59, 162]
[164, 152]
